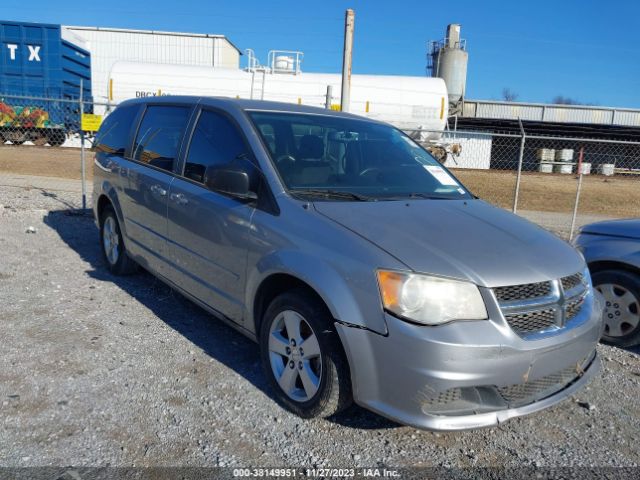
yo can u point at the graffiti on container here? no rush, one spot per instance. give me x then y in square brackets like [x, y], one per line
[24, 117]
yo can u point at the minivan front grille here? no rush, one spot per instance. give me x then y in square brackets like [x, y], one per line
[571, 282]
[523, 323]
[522, 292]
[573, 308]
[543, 307]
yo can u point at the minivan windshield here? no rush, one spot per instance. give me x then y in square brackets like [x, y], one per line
[342, 158]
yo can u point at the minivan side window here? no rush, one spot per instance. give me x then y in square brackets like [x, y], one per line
[215, 141]
[113, 136]
[158, 139]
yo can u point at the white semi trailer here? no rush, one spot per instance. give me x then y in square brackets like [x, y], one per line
[410, 103]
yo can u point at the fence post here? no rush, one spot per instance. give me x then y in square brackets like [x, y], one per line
[82, 152]
[575, 206]
[520, 159]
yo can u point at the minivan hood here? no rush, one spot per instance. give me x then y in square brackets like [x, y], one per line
[629, 228]
[465, 239]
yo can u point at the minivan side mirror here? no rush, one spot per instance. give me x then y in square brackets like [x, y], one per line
[232, 180]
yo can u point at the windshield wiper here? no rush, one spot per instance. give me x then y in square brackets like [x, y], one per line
[328, 193]
[417, 195]
[428, 196]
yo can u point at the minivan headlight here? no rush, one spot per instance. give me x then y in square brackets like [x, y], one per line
[430, 300]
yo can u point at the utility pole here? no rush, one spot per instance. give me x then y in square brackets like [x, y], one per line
[349, 23]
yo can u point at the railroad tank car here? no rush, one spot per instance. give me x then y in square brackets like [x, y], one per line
[409, 103]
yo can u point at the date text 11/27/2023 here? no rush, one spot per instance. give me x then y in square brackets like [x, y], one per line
[315, 472]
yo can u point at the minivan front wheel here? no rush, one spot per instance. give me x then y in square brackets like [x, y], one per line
[113, 249]
[303, 357]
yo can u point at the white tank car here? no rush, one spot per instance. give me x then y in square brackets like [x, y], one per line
[407, 102]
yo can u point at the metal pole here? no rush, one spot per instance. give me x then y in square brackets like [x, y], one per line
[349, 22]
[329, 99]
[575, 206]
[455, 126]
[517, 189]
[580, 158]
[82, 153]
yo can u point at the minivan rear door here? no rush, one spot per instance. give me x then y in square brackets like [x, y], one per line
[146, 183]
[208, 232]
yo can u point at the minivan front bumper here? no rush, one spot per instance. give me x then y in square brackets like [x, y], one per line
[467, 374]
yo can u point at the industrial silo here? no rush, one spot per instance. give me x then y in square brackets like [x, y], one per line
[448, 60]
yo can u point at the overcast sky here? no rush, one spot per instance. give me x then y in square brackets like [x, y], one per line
[588, 50]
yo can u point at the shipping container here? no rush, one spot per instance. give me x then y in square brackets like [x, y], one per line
[40, 77]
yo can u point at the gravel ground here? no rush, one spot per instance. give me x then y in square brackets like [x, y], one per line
[97, 370]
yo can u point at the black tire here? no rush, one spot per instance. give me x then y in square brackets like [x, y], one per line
[123, 265]
[334, 390]
[625, 281]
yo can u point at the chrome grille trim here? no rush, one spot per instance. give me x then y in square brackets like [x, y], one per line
[544, 314]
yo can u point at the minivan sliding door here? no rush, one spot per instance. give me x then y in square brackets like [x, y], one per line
[148, 178]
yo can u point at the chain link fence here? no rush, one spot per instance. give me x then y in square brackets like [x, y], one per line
[41, 145]
[558, 182]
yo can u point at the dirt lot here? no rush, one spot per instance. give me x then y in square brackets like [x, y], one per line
[610, 196]
[98, 370]
[44, 161]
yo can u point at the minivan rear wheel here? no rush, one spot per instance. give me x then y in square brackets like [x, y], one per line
[113, 248]
[302, 356]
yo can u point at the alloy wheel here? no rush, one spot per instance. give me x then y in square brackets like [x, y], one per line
[294, 355]
[111, 240]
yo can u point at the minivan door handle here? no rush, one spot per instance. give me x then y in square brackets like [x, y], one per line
[179, 198]
[157, 189]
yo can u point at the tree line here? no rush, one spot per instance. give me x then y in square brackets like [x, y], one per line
[508, 95]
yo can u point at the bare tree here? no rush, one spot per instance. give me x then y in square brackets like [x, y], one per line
[509, 95]
[562, 100]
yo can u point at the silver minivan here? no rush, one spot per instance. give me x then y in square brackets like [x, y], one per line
[363, 268]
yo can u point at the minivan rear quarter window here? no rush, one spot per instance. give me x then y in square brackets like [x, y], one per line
[113, 137]
[158, 139]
